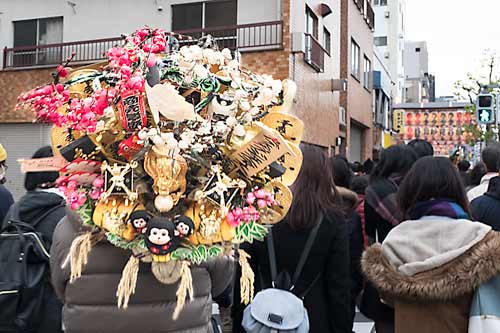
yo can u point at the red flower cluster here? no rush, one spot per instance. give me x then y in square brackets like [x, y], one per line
[46, 102]
[158, 40]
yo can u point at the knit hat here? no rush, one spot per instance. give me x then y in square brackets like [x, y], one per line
[3, 153]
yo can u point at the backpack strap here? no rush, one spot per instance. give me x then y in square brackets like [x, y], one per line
[307, 249]
[272, 256]
[303, 257]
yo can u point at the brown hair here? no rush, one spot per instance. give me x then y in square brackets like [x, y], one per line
[313, 190]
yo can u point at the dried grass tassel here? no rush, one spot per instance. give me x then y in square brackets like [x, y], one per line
[127, 284]
[185, 289]
[78, 255]
[247, 278]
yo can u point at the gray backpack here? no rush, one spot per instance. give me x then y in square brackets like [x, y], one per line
[275, 310]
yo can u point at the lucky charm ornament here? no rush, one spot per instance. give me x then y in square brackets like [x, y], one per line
[169, 175]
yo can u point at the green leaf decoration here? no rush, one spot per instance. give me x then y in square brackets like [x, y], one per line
[215, 251]
[86, 211]
[248, 232]
[204, 102]
[226, 82]
[210, 85]
[182, 253]
[124, 244]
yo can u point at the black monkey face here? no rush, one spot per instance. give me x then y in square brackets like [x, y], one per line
[159, 236]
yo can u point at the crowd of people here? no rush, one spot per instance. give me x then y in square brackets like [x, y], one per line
[407, 239]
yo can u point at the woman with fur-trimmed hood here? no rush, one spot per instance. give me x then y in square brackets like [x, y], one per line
[429, 266]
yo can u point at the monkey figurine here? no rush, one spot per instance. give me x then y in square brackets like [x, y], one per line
[139, 220]
[184, 226]
[160, 236]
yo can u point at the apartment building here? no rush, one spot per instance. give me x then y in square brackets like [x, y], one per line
[419, 85]
[389, 40]
[356, 59]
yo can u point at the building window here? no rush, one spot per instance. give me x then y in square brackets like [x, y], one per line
[355, 59]
[327, 40]
[367, 74]
[311, 23]
[198, 15]
[34, 33]
[417, 49]
[38, 32]
[380, 2]
[201, 15]
[380, 41]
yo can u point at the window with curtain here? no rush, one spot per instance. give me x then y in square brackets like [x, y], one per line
[355, 60]
[205, 15]
[36, 32]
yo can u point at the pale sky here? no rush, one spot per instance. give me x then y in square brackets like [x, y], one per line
[457, 32]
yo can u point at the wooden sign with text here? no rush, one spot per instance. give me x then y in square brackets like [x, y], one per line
[265, 148]
[55, 163]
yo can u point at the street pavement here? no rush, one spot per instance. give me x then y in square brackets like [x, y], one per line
[362, 324]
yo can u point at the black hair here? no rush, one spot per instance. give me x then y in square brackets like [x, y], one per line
[475, 175]
[34, 180]
[397, 159]
[368, 166]
[491, 158]
[463, 166]
[431, 178]
[313, 190]
[341, 172]
[421, 147]
[359, 184]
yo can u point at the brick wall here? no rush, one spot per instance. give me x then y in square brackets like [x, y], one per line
[275, 63]
[14, 83]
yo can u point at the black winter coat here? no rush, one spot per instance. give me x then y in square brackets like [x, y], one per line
[328, 300]
[486, 208]
[31, 206]
[6, 201]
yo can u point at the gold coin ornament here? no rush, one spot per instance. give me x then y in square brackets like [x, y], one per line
[176, 154]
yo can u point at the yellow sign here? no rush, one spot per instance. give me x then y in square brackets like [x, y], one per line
[387, 140]
[398, 120]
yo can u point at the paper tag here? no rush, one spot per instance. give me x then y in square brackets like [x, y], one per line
[43, 164]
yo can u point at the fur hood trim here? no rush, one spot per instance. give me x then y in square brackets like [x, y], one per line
[349, 199]
[454, 279]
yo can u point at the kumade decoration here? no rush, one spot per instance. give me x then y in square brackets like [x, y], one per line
[176, 154]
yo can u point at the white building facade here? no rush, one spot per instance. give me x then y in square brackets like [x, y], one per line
[389, 40]
[419, 84]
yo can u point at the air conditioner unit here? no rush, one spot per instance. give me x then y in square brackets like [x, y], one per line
[339, 85]
[342, 116]
[298, 42]
[387, 55]
[401, 36]
[387, 14]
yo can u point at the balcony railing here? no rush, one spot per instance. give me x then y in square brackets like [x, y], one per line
[244, 37]
[53, 54]
[314, 53]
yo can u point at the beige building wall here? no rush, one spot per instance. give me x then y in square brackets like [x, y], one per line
[357, 100]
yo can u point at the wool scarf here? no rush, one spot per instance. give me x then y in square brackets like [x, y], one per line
[438, 207]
